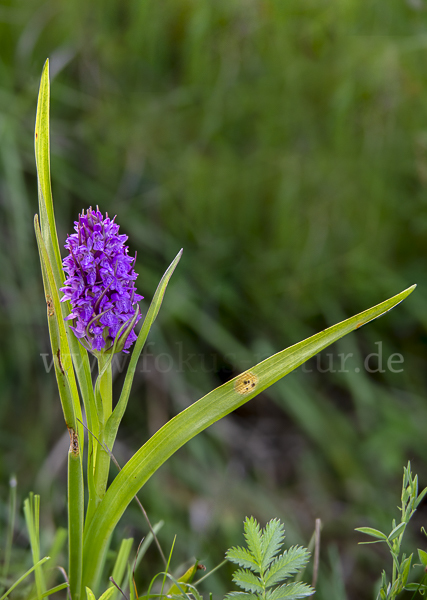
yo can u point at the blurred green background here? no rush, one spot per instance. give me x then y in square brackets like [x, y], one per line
[283, 145]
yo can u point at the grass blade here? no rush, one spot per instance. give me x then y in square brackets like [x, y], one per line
[57, 588]
[24, 576]
[10, 525]
[32, 516]
[121, 564]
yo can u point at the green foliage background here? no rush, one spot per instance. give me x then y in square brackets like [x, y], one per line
[283, 145]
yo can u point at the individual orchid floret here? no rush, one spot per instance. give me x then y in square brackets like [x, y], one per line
[100, 284]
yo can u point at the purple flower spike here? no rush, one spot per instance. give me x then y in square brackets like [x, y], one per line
[100, 284]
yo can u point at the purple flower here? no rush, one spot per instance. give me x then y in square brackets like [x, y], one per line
[100, 284]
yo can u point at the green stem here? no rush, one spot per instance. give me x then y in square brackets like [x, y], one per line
[75, 517]
[105, 391]
[99, 460]
[105, 385]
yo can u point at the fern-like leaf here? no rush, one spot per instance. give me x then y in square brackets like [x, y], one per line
[291, 591]
[272, 540]
[248, 581]
[259, 557]
[288, 563]
[243, 558]
[240, 596]
[253, 537]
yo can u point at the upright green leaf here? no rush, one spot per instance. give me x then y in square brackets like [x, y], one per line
[32, 520]
[121, 564]
[272, 540]
[42, 152]
[253, 537]
[49, 236]
[117, 415]
[66, 382]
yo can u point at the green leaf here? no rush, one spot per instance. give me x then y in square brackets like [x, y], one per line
[372, 532]
[396, 531]
[117, 414]
[404, 569]
[422, 556]
[415, 587]
[243, 558]
[60, 349]
[32, 520]
[290, 562]
[48, 235]
[291, 591]
[248, 581]
[55, 589]
[241, 596]
[24, 576]
[42, 153]
[107, 594]
[253, 537]
[90, 594]
[121, 563]
[197, 417]
[272, 540]
[420, 497]
[183, 580]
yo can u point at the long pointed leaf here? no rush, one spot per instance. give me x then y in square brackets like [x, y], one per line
[61, 352]
[50, 239]
[18, 581]
[42, 152]
[197, 417]
[116, 417]
[32, 519]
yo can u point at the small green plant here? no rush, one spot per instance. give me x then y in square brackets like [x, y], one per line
[401, 563]
[263, 567]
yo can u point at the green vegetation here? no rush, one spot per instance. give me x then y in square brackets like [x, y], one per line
[264, 568]
[284, 146]
[401, 563]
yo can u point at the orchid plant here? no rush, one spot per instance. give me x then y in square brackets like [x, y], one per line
[92, 307]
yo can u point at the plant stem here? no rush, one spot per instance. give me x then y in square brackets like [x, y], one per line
[75, 517]
[102, 465]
